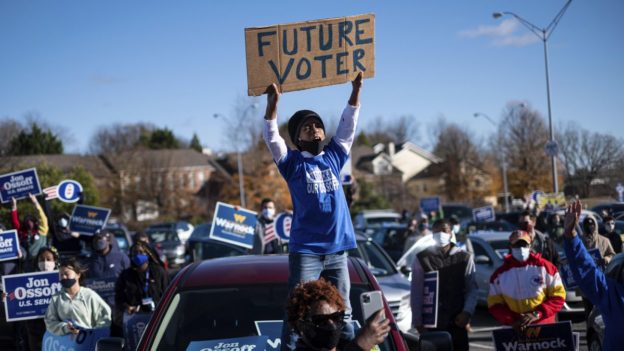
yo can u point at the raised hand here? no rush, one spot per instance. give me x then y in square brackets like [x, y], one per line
[273, 96]
[571, 219]
[13, 204]
[354, 99]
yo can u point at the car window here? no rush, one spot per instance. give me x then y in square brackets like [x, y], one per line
[377, 262]
[210, 314]
[211, 249]
[478, 249]
[158, 236]
[381, 220]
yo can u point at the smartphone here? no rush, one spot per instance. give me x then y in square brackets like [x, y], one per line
[372, 302]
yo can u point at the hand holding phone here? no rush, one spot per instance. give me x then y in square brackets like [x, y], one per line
[372, 302]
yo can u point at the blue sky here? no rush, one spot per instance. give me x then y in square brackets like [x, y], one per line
[84, 64]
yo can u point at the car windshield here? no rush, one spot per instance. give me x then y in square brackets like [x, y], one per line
[231, 312]
[158, 235]
[122, 240]
[379, 221]
[458, 211]
[501, 247]
[378, 263]
[210, 249]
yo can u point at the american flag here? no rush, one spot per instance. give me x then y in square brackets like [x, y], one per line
[269, 233]
[51, 192]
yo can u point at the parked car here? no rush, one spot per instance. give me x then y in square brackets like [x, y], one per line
[499, 225]
[235, 297]
[201, 247]
[612, 208]
[595, 323]
[371, 218]
[395, 286]
[462, 212]
[166, 239]
[391, 237]
[183, 228]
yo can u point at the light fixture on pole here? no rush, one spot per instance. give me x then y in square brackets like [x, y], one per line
[544, 33]
[504, 163]
[239, 158]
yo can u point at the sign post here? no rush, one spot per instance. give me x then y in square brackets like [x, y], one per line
[303, 55]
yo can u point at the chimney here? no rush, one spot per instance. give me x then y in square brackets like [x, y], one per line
[391, 149]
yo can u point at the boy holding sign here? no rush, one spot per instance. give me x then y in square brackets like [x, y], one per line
[321, 231]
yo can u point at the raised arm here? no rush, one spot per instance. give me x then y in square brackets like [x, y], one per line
[270, 133]
[345, 134]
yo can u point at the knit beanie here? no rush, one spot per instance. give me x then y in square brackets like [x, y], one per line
[297, 120]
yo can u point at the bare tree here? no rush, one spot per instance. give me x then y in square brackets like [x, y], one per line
[384, 130]
[118, 137]
[9, 128]
[587, 156]
[522, 135]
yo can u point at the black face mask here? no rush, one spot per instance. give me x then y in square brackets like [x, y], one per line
[589, 228]
[321, 337]
[67, 283]
[313, 147]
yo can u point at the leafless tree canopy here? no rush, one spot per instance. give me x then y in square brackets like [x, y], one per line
[399, 130]
[118, 137]
[9, 128]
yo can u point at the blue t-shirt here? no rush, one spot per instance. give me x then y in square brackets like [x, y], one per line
[321, 221]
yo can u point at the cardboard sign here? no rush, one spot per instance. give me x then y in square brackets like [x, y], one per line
[429, 204]
[283, 223]
[234, 226]
[9, 245]
[430, 300]
[19, 184]
[105, 287]
[554, 337]
[29, 294]
[484, 214]
[565, 271]
[309, 54]
[88, 220]
[249, 343]
[84, 341]
[551, 202]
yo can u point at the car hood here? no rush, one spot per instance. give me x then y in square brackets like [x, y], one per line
[394, 287]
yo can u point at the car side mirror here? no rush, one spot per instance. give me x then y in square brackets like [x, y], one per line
[429, 341]
[405, 270]
[110, 344]
[482, 259]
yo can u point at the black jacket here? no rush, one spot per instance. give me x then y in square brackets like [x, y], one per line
[130, 286]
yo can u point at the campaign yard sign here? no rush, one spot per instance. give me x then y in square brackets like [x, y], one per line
[19, 184]
[309, 54]
[484, 214]
[566, 272]
[429, 204]
[9, 245]
[249, 343]
[84, 341]
[234, 225]
[105, 287]
[29, 294]
[88, 220]
[430, 299]
[553, 337]
[283, 222]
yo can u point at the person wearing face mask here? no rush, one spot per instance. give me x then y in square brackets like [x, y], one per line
[266, 240]
[45, 261]
[107, 261]
[75, 307]
[527, 288]
[140, 287]
[606, 292]
[613, 236]
[65, 240]
[32, 231]
[542, 244]
[321, 231]
[316, 312]
[458, 298]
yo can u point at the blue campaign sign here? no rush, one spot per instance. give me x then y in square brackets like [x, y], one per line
[133, 328]
[19, 184]
[430, 299]
[84, 341]
[484, 214]
[553, 337]
[249, 343]
[105, 287]
[29, 294]
[233, 225]
[283, 221]
[428, 204]
[566, 272]
[9, 245]
[69, 191]
[88, 220]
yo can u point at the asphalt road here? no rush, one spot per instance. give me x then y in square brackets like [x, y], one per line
[483, 323]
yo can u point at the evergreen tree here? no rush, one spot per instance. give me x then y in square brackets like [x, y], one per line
[35, 142]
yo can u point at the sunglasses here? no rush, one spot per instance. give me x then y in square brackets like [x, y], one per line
[323, 319]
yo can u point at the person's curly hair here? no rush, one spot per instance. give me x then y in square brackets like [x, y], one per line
[306, 294]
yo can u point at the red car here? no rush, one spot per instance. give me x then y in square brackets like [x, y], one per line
[234, 297]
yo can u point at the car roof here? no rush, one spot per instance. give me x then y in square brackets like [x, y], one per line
[489, 235]
[380, 214]
[248, 269]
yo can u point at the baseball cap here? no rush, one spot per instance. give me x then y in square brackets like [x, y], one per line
[517, 235]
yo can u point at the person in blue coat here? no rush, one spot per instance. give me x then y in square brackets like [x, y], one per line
[604, 292]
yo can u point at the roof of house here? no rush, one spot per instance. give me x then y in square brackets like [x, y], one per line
[65, 162]
[158, 159]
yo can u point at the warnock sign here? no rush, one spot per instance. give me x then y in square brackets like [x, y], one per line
[234, 225]
[309, 54]
[19, 184]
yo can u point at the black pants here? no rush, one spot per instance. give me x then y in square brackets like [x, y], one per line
[459, 336]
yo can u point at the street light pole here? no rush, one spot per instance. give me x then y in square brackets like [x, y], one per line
[239, 158]
[504, 165]
[544, 34]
